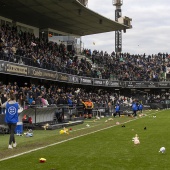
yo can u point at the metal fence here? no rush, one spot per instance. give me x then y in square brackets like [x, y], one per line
[58, 67]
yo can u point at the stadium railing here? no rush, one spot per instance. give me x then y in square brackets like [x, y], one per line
[45, 65]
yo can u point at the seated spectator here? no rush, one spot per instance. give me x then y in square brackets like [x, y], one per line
[44, 102]
[31, 100]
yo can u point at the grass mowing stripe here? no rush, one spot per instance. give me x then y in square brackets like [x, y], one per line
[72, 138]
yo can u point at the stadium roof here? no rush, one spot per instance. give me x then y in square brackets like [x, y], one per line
[63, 15]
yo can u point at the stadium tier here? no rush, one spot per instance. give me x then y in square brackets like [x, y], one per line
[43, 67]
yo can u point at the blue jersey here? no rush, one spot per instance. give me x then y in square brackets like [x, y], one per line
[117, 108]
[70, 102]
[134, 107]
[11, 113]
[140, 106]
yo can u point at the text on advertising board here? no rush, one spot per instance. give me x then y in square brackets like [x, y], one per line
[11, 68]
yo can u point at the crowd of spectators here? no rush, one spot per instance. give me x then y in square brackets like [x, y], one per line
[24, 48]
[126, 67]
[56, 94]
[32, 94]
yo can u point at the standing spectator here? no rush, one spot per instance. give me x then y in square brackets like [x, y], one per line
[3, 100]
[70, 105]
[11, 118]
[62, 104]
[111, 108]
[80, 107]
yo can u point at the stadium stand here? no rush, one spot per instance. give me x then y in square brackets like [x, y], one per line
[43, 73]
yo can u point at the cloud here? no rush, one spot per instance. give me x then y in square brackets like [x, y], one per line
[150, 32]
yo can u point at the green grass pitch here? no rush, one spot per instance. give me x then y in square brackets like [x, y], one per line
[101, 146]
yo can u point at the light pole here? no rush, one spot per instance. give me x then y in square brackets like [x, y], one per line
[118, 34]
[123, 20]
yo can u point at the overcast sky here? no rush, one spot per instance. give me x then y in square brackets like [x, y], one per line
[151, 27]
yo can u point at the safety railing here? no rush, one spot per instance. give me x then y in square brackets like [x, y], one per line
[45, 65]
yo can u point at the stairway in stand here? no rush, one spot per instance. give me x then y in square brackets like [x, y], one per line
[88, 60]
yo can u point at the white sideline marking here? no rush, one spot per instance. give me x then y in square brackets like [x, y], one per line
[43, 147]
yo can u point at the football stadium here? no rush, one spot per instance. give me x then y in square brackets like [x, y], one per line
[66, 107]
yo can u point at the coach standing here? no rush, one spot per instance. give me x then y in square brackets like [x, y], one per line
[11, 118]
